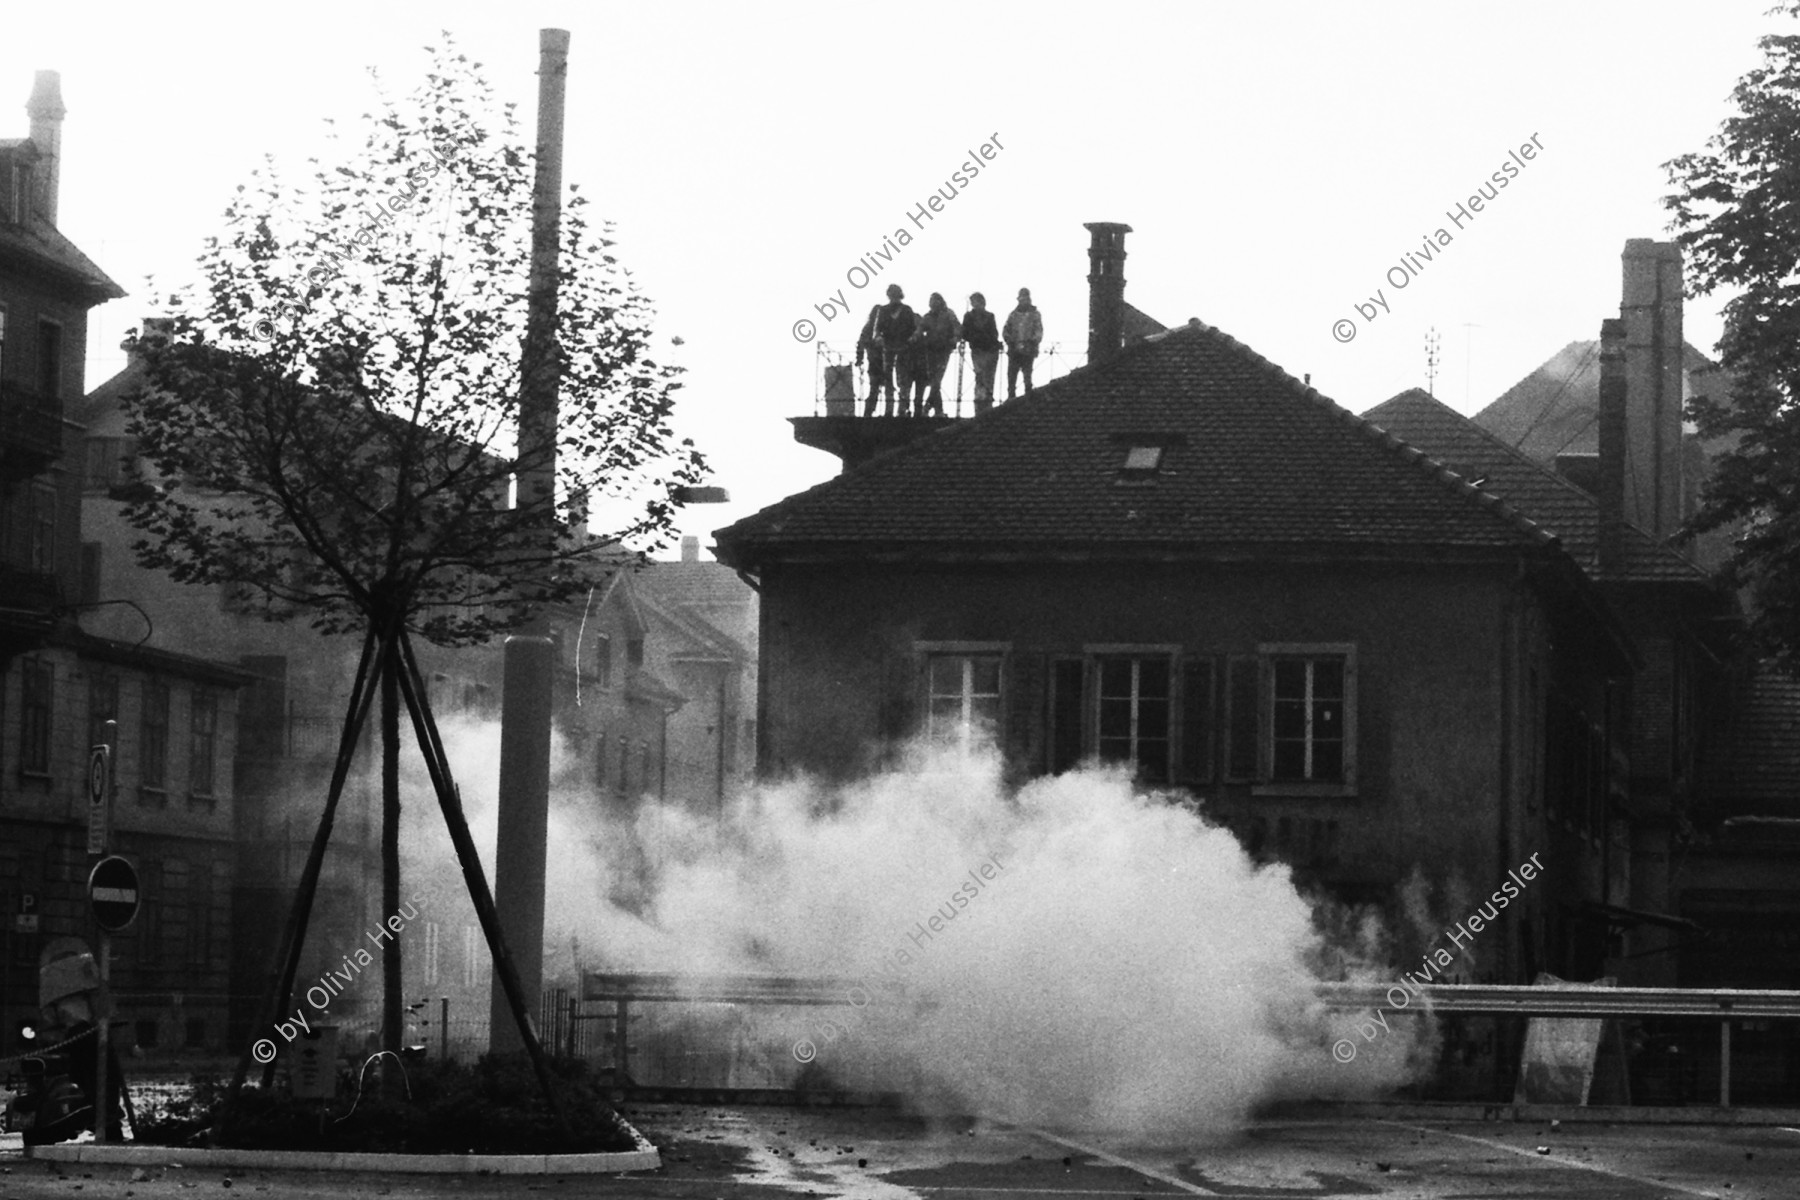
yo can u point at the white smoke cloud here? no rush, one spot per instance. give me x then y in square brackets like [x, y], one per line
[1119, 965]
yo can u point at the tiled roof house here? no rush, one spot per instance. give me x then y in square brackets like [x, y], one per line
[1183, 560]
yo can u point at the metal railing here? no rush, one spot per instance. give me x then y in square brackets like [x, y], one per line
[1666, 1056]
[1725, 1005]
[832, 398]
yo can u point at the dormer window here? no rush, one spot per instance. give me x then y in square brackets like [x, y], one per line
[1144, 456]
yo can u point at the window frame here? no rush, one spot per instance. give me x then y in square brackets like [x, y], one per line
[1096, 653]
[203, 700]
[153, 787]
[1267, 654]
[40, 532]
[50, 333]
[925, 652]
[37, 738]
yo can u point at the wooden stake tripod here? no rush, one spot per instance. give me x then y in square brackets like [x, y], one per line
[390, 657]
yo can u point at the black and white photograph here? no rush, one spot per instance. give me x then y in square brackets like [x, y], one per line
[702, 601]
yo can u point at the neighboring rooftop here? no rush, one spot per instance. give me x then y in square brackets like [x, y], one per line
[1556, 409]
[1494, 465]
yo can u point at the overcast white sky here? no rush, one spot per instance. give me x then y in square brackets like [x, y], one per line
[1274, 160]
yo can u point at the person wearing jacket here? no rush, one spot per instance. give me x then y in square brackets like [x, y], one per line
[868, 346]
[942, 332]
[983, 337]
[895, 325]
[1024, 330]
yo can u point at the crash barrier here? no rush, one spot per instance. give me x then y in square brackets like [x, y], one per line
[1660, 1016]
[1669, 1046]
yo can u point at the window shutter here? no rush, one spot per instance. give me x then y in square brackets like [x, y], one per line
[1242, 752]
[1022, 709]
[1197, 720]
[1068, 703]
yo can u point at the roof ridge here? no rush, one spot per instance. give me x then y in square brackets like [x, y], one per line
[1406, 450]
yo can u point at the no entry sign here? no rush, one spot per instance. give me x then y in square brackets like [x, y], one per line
[113, 893]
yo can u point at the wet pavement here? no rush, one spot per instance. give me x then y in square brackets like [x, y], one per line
[756, 1153]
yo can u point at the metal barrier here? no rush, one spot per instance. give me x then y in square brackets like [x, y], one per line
[1454, 1001]
[1724, 1004]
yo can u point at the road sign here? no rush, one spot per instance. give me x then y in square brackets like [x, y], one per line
[99, 790]
[113, 893]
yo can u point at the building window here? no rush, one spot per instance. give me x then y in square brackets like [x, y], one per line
[1307, 720]
[1575, 767]
[153, 752]
[107, 463]
[199, 934]
[1133, 719]
[603, 659]
[90, 572]
[205, 744]
[474, 956]
[36, 681]
[634, 653]
[43, 529]
[20, 207]
[1310, 717]
[50, 363]
[103, 706]
[431, 952]
[963, 704]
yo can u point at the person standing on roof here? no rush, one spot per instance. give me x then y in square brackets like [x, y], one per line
[894, 328]
[983, 337]
[942, 332]
[869, 346]
[1024, 330]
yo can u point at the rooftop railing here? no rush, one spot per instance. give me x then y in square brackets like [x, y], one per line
[841, 385]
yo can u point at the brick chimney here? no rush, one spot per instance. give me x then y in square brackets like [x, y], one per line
[1651, 309]
[46, 111]
[1614, 399]
[1106, 289]
[690, 549]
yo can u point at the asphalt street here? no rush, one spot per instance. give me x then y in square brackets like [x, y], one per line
[755, 1153]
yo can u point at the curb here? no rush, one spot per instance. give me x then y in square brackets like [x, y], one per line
[645, 1158]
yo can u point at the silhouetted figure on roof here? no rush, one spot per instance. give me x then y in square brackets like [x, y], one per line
[982, 334]
[1024, 330]
[869, 346]
[895, 325]
[942, 331]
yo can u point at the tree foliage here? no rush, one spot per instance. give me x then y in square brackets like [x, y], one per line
[1736, 213]
[329, 418]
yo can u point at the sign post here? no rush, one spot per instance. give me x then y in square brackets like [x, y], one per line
[113, 895]
[99, 793]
